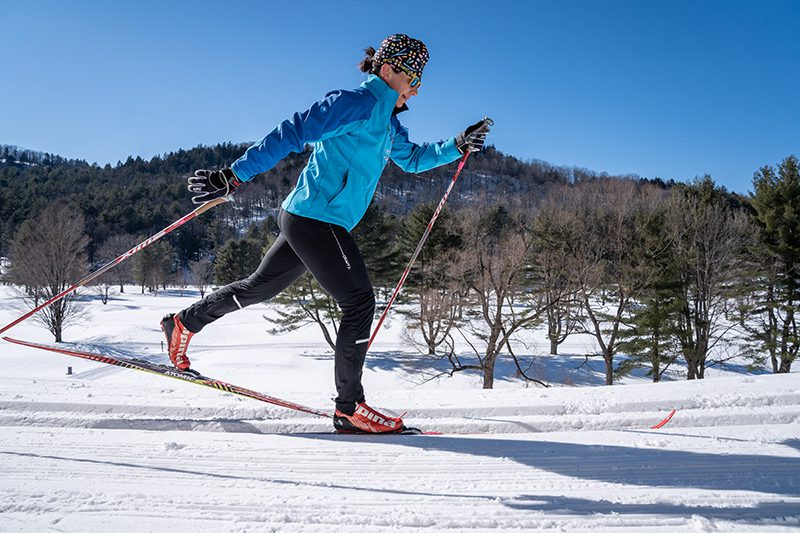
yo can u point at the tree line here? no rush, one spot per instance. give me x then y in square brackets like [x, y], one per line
[690, 273]
[139, 197]
[658, 272]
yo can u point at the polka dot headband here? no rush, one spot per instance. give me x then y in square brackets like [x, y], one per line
[403, 52]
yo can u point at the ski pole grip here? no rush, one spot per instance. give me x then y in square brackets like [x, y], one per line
[208, 205]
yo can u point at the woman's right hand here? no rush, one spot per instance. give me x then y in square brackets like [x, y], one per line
[472, 138]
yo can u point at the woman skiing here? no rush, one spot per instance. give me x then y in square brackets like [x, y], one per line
[353, 133]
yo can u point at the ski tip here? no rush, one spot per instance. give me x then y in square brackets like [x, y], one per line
[666, 419]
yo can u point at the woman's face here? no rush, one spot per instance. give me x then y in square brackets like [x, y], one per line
[400, 82]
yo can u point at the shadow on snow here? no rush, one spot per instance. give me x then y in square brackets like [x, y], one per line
[621, 464]
[608, 464]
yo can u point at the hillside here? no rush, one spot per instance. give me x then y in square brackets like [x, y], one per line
[140, 197]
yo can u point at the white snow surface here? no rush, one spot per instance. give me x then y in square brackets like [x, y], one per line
[111, 449]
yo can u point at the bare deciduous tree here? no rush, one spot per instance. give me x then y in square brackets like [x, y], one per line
[48, 255]
[551, 266]
[431, 324]
[613, 258]
[434, 319]
[113, 247]
[201, 272]
[710, 242]
[102, 288]
[494, 260]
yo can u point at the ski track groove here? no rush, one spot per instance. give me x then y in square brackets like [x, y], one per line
[473, 494]
[779, 410]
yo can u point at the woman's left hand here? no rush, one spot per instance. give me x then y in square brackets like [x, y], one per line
[210, 184]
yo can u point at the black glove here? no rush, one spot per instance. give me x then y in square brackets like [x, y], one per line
[211, 184]
[472, 138]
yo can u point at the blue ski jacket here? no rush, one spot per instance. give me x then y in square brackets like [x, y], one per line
[354, 133]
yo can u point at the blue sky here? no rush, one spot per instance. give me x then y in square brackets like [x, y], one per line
[664, 89]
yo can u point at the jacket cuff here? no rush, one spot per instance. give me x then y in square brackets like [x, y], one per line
[450, 150]
[240, 175]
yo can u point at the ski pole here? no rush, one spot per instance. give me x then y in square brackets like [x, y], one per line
[108, 266]
[418, 249]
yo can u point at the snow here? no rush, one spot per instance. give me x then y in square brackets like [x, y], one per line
[113, 449]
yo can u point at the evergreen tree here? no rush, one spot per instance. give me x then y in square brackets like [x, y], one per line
[219, 233]
[433, 280]
[264, 231]
[376, 236]
[305, 302]
[444, 237]
[777, 205]
[237, 259]
[651, 340]
[651, 337]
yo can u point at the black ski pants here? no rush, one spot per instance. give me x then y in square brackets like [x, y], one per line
[327, 251]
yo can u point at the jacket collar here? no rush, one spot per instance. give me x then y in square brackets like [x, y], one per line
[385, 95]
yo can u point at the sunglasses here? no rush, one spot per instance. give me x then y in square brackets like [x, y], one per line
[416, 81]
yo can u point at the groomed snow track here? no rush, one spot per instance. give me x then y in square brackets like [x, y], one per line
[86, 455]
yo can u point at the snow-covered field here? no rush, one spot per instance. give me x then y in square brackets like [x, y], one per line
[109, 449]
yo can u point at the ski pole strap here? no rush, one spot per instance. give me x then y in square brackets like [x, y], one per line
[111, 264]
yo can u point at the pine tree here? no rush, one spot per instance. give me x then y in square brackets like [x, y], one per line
[651, 337]
[777, 205]
[432, 281]
[264, 231]
[651, 340]
[444, 237]
[237, 259]
[305, 302]
[376, 236]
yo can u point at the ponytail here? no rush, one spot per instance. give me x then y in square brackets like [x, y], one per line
[368, 63]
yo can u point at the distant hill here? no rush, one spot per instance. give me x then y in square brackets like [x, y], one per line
[141, 196]
[14, 156]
